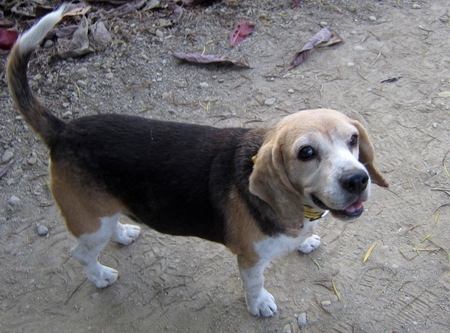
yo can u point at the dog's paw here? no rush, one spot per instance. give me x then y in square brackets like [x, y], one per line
[126, 234]
[103, 276]
[262, 304]
[310, 244]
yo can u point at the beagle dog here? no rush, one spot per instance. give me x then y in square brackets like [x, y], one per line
[260, 192]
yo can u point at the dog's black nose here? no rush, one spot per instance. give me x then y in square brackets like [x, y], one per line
[355, 182]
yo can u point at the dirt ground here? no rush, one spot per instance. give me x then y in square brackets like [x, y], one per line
[170, 284]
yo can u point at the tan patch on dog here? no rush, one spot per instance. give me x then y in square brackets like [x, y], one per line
[242, 231]
[81, 206]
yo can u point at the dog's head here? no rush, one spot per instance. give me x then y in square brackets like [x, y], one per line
[319, 158]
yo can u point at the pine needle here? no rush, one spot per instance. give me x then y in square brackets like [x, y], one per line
[317, 264]
[426, 237]
[335, 290]
[436, 218]
[369, 251]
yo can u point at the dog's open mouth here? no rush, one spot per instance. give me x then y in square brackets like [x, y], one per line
[350, 212]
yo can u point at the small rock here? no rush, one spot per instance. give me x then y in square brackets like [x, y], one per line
[203, 85]
[109, 76]
[159, 33]
[32, 160]
[323, 24]
[326, 303]
[66, 114]
[82, 71]
[372, 18]
[286, 329]
[37, 77]
[48, 43]
[435, 125]
[8, 155]
[95, 295]
[302, 319]
[13, 200]
[291, 91]
[416, 6]
[270, 101]
[42, 230]
[350, 64]
[221, 80]
[166, 95]
[17, 173]
[65, 104]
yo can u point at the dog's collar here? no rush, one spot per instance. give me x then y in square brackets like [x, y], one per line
[312, 215]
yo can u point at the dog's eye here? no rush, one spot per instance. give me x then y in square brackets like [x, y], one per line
[306, 153]
[353, 140]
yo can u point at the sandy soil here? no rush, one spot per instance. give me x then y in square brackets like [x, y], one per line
[170, 284]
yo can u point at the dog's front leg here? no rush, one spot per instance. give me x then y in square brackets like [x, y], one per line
[259, 301]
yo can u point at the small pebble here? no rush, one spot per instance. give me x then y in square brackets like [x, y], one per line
[291, 91]
[286, 329]
[372, 18]
[8, 155]
[203, 85]
[270, 101]
[82, 71]
[67, 114]
[323, 24]
[109, 76]
[37, 77]
[302, 319]
[13, 200]
[42, 230]
[48, 43]
[416, 6]
[159, 33]
[326, 303]
[95, 295]
[32, 159]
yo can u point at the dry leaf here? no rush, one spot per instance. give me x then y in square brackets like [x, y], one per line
[198, 58]
[194, 2]
[240, 32]
[80, 11]
[444, 94]
[100, 34]
[325, 37]
[296, 3]
[7, 39]
[177, 11]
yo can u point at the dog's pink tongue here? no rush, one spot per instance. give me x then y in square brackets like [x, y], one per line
[352, 208]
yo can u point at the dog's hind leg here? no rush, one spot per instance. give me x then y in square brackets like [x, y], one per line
[88, 250]
[91, 216]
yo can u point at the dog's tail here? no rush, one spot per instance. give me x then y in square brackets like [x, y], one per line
[36, 115]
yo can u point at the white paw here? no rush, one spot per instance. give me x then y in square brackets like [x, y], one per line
[126, 233]
[102, 276]
[263, 304]
[310, 244]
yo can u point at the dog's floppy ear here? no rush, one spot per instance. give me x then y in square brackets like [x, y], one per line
[367, 156]
[271, 184]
